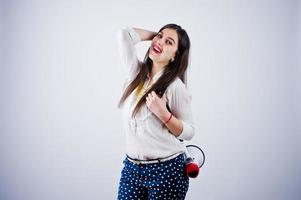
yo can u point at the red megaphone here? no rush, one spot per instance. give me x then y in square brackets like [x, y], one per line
[191, 169]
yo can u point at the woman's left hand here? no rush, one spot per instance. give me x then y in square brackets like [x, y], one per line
[156, 104]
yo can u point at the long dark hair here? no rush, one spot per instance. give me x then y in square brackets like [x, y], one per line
[174, 69]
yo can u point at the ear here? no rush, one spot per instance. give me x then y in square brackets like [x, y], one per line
[174, 56]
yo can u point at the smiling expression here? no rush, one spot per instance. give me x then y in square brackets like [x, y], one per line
[164, 46]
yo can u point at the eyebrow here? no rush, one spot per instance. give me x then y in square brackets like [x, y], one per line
[168, 37]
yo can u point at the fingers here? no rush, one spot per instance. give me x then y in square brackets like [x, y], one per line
[147, 103]
[151, 96]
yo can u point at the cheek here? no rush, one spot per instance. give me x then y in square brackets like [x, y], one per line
[169, 53]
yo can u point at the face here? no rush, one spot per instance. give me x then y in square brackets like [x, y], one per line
[164, 46]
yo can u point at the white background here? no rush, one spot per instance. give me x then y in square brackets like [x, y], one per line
[61, 134]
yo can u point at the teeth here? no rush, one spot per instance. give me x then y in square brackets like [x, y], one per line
[157, 49]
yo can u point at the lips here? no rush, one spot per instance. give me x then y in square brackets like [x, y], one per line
[157, 49]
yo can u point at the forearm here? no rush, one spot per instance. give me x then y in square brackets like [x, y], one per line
[145, 34]
[174, 125]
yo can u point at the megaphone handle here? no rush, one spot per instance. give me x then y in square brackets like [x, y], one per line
[186, 153]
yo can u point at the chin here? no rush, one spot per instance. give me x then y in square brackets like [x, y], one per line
[154, 58]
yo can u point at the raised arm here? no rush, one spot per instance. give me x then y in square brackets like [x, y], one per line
[127, 38]
[145, 34]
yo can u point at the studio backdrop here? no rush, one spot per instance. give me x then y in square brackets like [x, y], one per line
[61, 133]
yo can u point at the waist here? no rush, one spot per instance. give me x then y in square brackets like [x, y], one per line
[153, 161]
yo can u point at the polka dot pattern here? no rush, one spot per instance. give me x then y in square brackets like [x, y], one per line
[165, 180]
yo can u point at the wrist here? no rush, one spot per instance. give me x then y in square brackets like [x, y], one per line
[169, 118]
[165, 116]
[144, 34]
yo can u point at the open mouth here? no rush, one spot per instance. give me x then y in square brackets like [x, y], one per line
[157, 49]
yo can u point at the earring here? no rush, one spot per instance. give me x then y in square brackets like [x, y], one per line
[172, 59]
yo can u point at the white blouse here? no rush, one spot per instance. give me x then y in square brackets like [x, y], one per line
[146, 137]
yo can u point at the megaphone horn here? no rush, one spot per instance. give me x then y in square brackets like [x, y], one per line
[195, 159]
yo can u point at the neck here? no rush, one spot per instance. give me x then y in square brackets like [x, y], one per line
[156, 68]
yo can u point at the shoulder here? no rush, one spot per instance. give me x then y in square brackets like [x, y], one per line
[178, 88]
[177, 82]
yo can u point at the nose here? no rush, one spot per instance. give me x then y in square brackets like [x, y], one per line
[160, 42]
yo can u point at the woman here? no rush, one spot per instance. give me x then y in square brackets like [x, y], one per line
[157, 114]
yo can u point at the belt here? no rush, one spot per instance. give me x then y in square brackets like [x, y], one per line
[152, 161]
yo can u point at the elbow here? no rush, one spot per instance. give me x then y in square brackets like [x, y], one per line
[188, 131]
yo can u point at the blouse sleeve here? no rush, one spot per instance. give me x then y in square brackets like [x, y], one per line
[181, 108]
[127, 37]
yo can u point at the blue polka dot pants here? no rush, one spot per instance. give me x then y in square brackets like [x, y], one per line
[164, 180]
